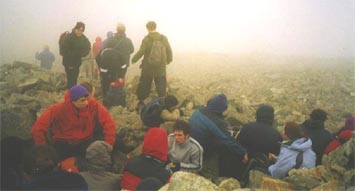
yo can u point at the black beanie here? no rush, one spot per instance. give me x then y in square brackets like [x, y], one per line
[170, 101]
[79, 25]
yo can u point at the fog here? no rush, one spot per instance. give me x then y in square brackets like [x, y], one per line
[321, 28]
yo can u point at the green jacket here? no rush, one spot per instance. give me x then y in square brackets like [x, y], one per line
[144, 50]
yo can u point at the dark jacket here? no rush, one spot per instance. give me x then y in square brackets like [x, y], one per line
[124, 46]
[144, 50]
[74, 48]
[151, 163]
[211, 131]
[319, 135]
[260, 136]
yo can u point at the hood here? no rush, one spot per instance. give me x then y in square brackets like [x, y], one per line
[265, 114]
[302, 144]
[98, 155]
[154, 35]
[155, 143]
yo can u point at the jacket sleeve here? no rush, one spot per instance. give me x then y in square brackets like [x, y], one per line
[107, 123]
[284, 163]
[196, 159]
[166, 115]
[227, 141]
[41, 126]
[142, 49]
[169, 52]
[87, 47]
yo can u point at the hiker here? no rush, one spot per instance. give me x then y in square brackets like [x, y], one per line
[99, 175]
[342, 136]
[72, 123]
[41, 165]
[151, 163]
[96, 48]
[73, 47]
[185, 153]
[153, 64]
[160, 110]
[211, 130]
[46, 57]
[259, 137]
[315, 130]
[296, 152]
[114, 57]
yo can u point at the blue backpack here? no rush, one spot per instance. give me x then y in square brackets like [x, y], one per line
[150, 114]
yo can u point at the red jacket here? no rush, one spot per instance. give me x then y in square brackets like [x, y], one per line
[72, 125]
[151, 163]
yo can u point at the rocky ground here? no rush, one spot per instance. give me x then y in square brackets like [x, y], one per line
[292, 85]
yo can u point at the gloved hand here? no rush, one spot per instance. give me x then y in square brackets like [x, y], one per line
[174, 166]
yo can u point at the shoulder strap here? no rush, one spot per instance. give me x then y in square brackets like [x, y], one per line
[118, 44]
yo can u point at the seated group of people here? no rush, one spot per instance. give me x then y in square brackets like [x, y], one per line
[257, 144]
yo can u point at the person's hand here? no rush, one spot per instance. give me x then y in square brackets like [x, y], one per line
[245, 158]
[272, 157]
[174, 166]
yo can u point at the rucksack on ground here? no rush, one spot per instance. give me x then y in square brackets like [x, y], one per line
[150, 114]
[157, 55]
[61, 41]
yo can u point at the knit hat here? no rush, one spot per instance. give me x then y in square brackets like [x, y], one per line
[80, 25]
[77, 92]
[170, 101]
[217, 103]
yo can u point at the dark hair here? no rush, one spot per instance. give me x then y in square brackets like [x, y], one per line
[181, 125]
[293, 131]
[151, 25]
[88, 86]
[318, 114]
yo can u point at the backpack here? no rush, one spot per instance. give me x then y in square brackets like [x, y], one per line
[157, 55]
[115, 96]
[110, 58]
[61, 41]
[150, 114]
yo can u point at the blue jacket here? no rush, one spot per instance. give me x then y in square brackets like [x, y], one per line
[211, 131]
[287, 157]
[46, 58]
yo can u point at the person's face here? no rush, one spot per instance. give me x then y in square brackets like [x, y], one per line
[79, 31]
[179, 136]
[81, 103]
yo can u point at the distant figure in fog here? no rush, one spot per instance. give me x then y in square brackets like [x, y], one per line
[46, 57]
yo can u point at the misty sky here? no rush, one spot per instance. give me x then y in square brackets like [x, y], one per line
[301, 27]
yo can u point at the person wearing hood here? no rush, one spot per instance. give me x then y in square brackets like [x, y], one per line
[75, 46]
[209, 128]
[46, 57]
[72, 123]
[121, 45]
[99, 164]
[151, 70]
[315, 130]
[151, 163]
[296, 152]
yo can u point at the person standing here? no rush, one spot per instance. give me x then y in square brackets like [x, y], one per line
[46, 57]
[119, 47]
[74, 46]
[157, 54]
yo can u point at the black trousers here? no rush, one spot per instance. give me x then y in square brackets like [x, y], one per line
[72, 76]
[145, 85]
[65, 149]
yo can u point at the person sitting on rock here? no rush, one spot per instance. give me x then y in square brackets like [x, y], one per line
[72, 123]
[211, 130]
[296, 152]
[315, 130]
[185, 153]
[151, 163]
[260, 138]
